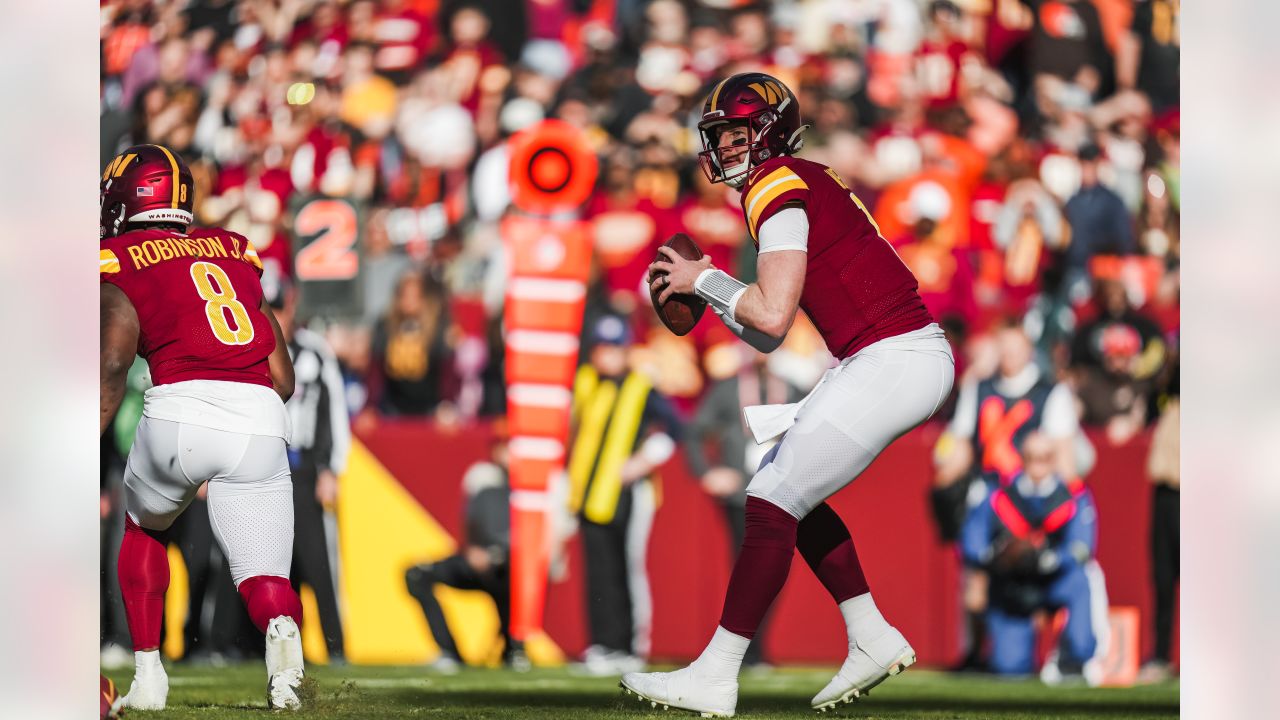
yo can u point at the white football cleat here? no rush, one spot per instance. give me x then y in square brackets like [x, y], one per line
[284, 664]
[150, 688]
[684, 689]
[867, 665]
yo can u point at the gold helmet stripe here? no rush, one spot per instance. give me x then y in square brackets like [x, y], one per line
[173, 163]
[715, 95]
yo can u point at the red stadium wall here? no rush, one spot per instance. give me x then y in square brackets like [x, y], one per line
[915, 579]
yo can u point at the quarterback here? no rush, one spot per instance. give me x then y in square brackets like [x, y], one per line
[819, 250]
[189, 301]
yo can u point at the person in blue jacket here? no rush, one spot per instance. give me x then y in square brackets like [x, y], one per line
[1036, 538]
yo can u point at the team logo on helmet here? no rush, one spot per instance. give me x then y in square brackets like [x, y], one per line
[769, 112]
[145, 184]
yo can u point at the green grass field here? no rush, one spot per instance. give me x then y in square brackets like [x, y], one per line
[396, 692]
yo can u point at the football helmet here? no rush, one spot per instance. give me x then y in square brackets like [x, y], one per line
[145, 184]
[770, 112]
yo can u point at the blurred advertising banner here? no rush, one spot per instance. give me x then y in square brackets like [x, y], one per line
[326, 256]
[552, 172]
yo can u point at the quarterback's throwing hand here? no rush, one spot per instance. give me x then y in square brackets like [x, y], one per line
[675, 274]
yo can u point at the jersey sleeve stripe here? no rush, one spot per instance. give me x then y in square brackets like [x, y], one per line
[782, 174]
[768, 195]
[251, 256]
[758, 186]
[108, 262]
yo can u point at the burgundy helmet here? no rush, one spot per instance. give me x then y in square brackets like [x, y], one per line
[145, 184]
[772, 116]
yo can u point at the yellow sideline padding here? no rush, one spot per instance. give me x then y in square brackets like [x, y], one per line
[383, 530]
[314, 651]
[175, 606]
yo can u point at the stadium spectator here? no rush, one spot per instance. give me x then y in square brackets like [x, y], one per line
[724, 477]
[1067, 43]
[994, 414]
[382, 265]
[1100, 224]
[1116, 358]
[317, 456]
[624, 430]
[943, 60]
[1035, 538]
[483, 563]
[978, 452]
[411, 350]
[944, 271]
[1150, 53]
[1028, 229]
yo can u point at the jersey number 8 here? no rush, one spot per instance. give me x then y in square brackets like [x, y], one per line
[221, 298]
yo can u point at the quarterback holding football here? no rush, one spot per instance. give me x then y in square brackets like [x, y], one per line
[820, 251]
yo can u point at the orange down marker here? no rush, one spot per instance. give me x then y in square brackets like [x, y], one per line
[552, 173]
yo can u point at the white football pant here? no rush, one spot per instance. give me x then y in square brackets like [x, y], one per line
[862, 405]
[250, 490]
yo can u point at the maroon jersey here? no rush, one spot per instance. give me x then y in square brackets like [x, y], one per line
[198, 300]
[939, 67]
[856, 289]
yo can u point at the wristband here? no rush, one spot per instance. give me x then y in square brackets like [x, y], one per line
[719, 289]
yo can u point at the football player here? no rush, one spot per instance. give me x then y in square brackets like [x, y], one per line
[820, 250]
[189, 301]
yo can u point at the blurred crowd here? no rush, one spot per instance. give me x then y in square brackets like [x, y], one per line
[1022, 156]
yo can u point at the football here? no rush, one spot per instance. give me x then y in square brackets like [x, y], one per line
[680, 313]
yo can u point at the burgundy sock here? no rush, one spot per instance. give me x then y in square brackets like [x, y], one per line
[824, 542]
[143, 569]
[761, 568]
[267, 597]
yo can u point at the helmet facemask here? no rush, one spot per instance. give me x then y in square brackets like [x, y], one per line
[758, 127]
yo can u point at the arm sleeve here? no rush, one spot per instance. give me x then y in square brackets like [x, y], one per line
[1059, 420]
[965, 422]
[763, 342]
[788, 229]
